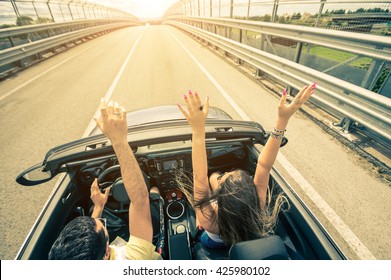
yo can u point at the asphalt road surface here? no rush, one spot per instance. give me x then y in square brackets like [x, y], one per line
[54, 101]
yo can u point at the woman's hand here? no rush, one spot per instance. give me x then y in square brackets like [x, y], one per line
[285, 111]
[196, 113]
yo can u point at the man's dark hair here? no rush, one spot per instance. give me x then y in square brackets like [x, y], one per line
[79, 240]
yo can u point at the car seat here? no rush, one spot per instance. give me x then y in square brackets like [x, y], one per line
[267, 248]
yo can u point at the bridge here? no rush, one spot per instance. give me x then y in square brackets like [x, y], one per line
[338, 157]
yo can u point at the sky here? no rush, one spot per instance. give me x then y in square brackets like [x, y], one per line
[139, 8]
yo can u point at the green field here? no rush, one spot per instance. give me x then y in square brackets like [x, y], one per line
[324, 52]
[338, 56]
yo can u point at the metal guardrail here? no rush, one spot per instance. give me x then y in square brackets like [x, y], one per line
[336, 96]
[315, 13]
[20, 52]
[28, 29]
[377, 47]
[36, 11]
[24, 51]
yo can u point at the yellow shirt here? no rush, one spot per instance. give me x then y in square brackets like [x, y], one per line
[135, 249]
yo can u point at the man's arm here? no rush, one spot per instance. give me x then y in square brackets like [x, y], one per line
[140, 223]
[112, 122]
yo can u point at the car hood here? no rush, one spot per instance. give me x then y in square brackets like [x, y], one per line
[163, 114]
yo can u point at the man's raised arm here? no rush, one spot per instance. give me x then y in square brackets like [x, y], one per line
[113, 124]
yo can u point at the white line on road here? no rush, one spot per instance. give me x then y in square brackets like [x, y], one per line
[114, 84]
[47, 71]
[354, 242]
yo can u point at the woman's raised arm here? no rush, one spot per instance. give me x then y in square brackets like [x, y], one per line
[269, 153]
[196, 115]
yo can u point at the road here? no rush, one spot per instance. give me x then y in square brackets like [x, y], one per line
[54, 101]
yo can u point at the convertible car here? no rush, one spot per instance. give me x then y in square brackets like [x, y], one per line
[161, 140]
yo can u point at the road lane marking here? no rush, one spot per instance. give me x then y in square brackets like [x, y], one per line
[113, 85]
[353, 241]
[49, 70]
[241, 113]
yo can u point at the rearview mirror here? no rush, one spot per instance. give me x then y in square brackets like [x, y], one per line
[34, 175]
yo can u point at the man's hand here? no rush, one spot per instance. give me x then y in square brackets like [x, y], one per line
[99, 199]
[112, 121]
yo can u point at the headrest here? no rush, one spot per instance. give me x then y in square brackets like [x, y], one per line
[267, 248]
[202, 253]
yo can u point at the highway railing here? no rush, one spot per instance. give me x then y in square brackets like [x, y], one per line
[29, 12]
[348, 15]
[373, 46]
[51, 28]
[368, 110]
[21, 46]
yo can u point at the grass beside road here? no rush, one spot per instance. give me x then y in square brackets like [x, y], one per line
[338, 56]
[332, 54]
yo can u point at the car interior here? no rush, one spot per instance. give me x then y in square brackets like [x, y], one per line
[297, 235]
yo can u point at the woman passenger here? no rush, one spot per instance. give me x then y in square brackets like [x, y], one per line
[233, 206]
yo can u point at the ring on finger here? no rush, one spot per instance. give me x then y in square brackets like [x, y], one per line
[297, 102]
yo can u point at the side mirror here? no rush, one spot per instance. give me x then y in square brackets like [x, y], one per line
[34, 175]
[267, 135]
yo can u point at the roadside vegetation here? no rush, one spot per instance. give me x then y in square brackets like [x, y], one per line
[375, 21]
[338, 19]
[338, 56]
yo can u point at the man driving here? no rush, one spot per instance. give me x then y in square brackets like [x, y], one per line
[87, 238]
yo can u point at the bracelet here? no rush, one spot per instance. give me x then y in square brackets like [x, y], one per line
[277, 136]
[279, 130]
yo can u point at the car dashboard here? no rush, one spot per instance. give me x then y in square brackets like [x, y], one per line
[162, 163]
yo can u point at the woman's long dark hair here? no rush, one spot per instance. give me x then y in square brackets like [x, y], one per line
[240, 216]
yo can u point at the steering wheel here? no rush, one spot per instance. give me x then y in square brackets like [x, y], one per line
[111, 178]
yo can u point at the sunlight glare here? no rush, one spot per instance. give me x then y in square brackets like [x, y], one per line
[142, 9]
